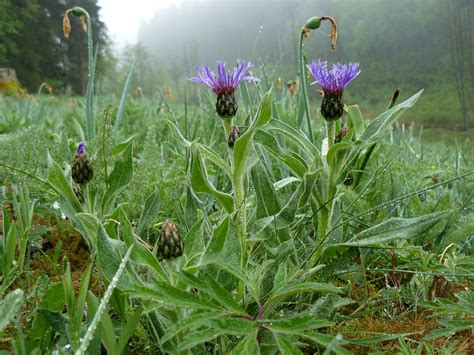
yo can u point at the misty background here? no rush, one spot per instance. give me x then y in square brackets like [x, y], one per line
[406, 44]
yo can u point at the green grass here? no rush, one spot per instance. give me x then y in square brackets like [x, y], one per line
[389, 273]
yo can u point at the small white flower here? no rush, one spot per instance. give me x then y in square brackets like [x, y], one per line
[56, 205]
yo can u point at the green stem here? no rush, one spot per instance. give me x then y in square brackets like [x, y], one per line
[331, 132]
[241, 224]
[90, 125]
[304, 91]
[240, 208]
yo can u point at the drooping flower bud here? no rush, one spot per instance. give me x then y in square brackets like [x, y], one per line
[291, 86]
[233, 136]
[226, 105]
[342, 133]
[82, 171]
[313, 23]
[170, 243]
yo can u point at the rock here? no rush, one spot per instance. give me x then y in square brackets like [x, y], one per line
[9, 83]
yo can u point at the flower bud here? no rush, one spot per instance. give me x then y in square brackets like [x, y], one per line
[226, 105]
[82, 171]
[349, 178]
[332, 107]
[233, 136]
[170, 243]
[342, 133]
[313, 23]
[78, 11]
[77, 191]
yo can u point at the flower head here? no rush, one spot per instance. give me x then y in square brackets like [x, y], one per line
[333, 81]
[224, 85]
[81, 171]
[225, 82]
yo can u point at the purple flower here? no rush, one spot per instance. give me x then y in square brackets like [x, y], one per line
[224, 85]
[81, 148]
[225, 82]
[333, 81]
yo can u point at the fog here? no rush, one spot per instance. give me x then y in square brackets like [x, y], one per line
[407, 43]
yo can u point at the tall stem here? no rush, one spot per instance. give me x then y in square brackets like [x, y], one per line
[240, 208]
[90, 125]
[304, 91]
[241, 224]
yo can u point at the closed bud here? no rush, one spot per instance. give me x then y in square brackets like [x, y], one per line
[342, 133]
[78, 11]
[349, 178]
[82, 171]
[313, 23]
[226, 105]
[332, 107]
[78, 193]
[233, 136]
[170, 243]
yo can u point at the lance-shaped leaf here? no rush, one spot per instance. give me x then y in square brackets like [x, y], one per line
[379, 124]
[119, 178]
[243, 145]
[395, 229]
[200, 182]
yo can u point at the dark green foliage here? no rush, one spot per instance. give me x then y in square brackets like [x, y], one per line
[32, 43]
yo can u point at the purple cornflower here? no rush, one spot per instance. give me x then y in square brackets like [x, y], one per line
[224, 85]
[333, 82]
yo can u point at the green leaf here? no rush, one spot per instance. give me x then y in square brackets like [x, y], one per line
[195, 338]
[302, 287]
[295, 136]
[208, 153]
[118, 179]
[109, 256]
[209, 285]
[59, 183]
[216, 244]
[355, 120]
[192, 321]
[336, 150]
[286, 345]
[10, 306]
[128, 330]
[248, 345]
[164, 293]
[200, 183]
[178, 134]
[394, 229]
[377, 126]
[149, 213]
[290, 325]
[267, 200]
[292, 161]
[243, 145]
